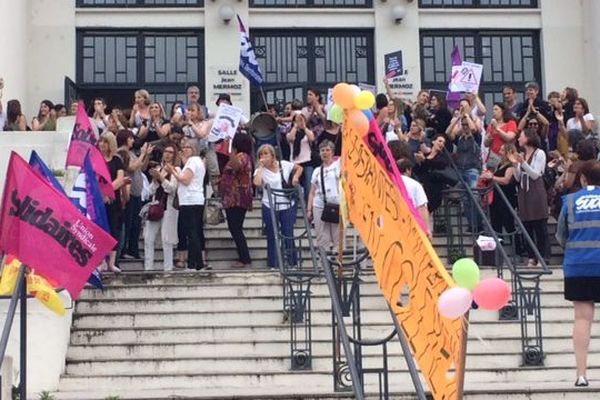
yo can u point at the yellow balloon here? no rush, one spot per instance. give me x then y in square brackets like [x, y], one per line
[364, 100]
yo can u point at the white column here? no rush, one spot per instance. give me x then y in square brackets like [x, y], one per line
[13, 42]
[51, 51]
[591, 59]
[222, 52]
[391, 37]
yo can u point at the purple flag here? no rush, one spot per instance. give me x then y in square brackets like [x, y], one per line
[453, 98]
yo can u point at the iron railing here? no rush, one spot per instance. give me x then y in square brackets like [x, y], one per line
[525, 302]
[19, 294]
[343, 276]
[297, 271]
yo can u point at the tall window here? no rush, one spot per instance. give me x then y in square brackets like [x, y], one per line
[478, 3]
[312, 3]
[293, 61]
[118, 63]
[508, 57]
[140, 3]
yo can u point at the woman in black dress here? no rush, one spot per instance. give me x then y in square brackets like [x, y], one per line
[114, 208]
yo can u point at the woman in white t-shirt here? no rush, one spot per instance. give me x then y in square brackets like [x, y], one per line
[327, 232]
[583, 119]
[270, 172]
[190, 193]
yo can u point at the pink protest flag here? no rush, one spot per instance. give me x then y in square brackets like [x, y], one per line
[41, 227]
[84, 139]
[378, 145]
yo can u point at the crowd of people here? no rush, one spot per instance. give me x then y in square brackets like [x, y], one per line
[533, 149]
[164, 171]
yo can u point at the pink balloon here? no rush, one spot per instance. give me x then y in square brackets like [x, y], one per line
[491, 294]
[360, 121]
[454, 302]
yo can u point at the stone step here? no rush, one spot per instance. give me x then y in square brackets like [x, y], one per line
[265, 363]
[374, 313]
[242, 378]
[542, 390]
[214, 285]
[321, 346]
[193, 334]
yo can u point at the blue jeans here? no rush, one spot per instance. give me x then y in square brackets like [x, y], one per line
[471, 176]
[286, 219]
[306, 177]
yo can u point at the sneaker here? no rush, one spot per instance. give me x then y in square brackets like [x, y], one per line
[582, 382]
[127, 256]
[115, 269]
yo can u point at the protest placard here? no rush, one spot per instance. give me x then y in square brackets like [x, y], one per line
[225, 123]
[466, 77]
[393, 64]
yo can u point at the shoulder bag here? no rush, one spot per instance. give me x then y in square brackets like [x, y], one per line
[331, 211]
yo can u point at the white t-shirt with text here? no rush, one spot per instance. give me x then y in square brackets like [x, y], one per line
[331, 175]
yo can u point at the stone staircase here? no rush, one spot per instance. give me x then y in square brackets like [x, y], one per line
[222, 335]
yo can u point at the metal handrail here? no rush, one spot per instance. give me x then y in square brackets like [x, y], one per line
[19, 295]
[10, 316]
[490, 229]
[526, 299]
[353, 301]
[357, 384]
[297, 280]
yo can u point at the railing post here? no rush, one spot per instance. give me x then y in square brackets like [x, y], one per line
[23, 353]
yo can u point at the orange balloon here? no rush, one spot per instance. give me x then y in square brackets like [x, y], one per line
[359, 121]
[343, 95]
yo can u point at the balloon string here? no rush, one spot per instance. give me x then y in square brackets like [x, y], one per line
[466, 325]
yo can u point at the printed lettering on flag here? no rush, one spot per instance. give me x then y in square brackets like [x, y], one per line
[94, 211]
[83, 140]
[248, 64]
[46, 232]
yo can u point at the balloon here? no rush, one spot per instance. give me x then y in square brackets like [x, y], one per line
[454, 302]
[491, 294]
[466, 273]
[356, 89]
[336, 114]
[364, 100]
[343, 95]
[360, 121]
[368, 114]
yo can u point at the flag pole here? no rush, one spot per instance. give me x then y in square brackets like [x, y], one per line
[264, 98]
[23, 339]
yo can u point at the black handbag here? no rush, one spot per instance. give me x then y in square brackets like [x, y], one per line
[331, 211]
[446, 176]
[286, 184]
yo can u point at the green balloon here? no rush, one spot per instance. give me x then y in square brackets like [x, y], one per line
[466, 273]
[336, 114]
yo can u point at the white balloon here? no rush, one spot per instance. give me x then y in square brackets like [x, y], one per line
[455, 302]
[356, 89]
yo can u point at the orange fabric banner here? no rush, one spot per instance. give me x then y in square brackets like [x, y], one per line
[403, 257]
